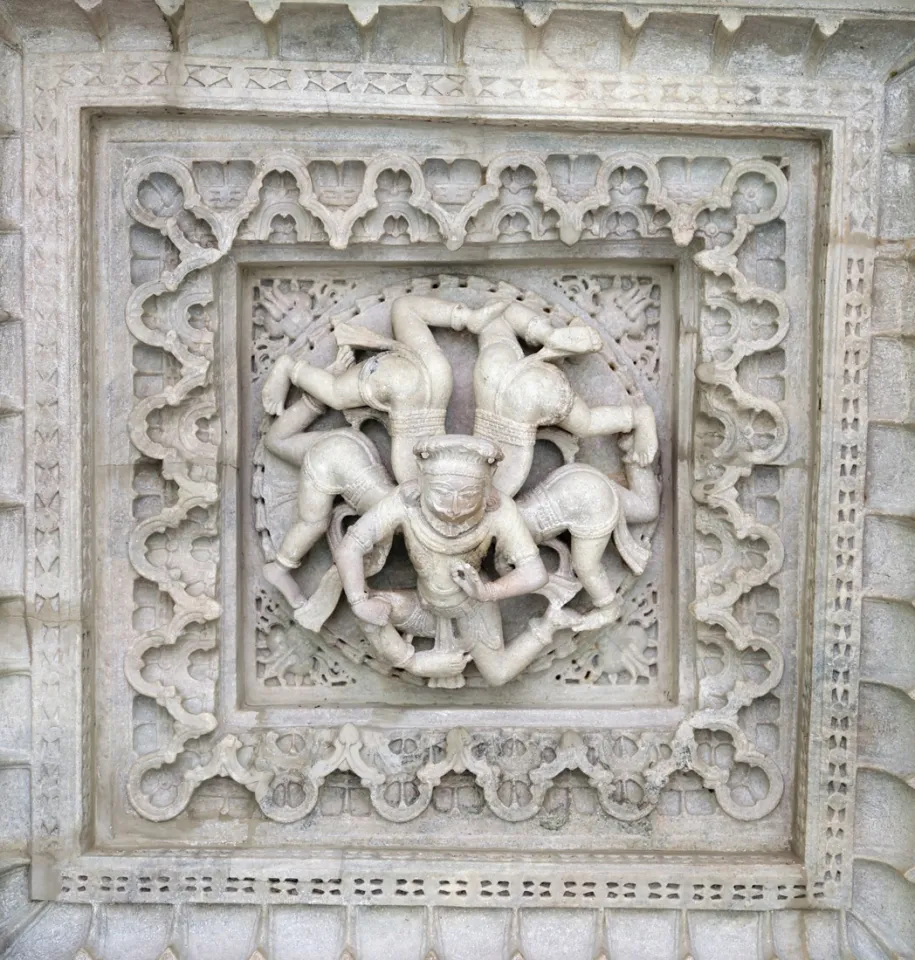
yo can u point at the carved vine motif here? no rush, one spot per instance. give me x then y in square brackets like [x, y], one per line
[627, 309]
[623, 652]
[517, 197]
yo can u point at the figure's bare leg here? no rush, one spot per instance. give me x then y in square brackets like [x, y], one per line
[514, 468]
[276, 386]
[493, 365]
[587, 555]
[313, 614]
[496, 330]
[410, 319]
[340, 391]
[403, 463]
[414, 620]
[287, 438]
[417, 409]
[299, 539]
[407, 614]
[320, 605]
[421, 663]
[497, 667]
[644, 437]
[585, 421]
[314, 515]
[641, 502]
[433, 312]
[389, 644]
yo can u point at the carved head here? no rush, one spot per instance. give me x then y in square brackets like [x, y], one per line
[455, 478]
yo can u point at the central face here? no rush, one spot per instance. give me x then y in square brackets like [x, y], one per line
[454, 499]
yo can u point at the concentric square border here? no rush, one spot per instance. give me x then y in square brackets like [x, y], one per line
[64, 92]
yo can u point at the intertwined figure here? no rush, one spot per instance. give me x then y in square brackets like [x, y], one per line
[452, 496]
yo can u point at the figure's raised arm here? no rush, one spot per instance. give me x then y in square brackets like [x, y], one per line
[516, 546]
[638, 419]
[527, 577]
[336, 386]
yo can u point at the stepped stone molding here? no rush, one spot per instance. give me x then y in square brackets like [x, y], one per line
[718, 260]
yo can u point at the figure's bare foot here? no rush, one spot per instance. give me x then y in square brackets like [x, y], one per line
[559, 590]
[563, 618]
[344, 359]
[276, 386]
[281, 578]
[437, 663]
[447, 683]
[309, 617]
[320, 605]
[579, 338]
[374, 611]
[644, 444]
[600, 617]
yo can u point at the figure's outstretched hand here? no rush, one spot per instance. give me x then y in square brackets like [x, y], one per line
[373, 610]
[470, 581]
[276, 386]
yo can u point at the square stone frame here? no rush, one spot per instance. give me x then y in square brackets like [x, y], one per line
[63, 92]
[322, 743]
[603, 709]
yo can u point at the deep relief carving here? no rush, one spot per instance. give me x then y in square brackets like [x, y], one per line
[455, 497]
[307, 317]
[59, 84]
[451, 497]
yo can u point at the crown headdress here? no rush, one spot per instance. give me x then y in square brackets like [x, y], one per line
[458, 454]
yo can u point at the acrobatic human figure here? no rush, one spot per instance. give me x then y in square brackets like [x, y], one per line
[409, 379]
[517, 394]
[594, 509]
[449, 518]
[331, 463]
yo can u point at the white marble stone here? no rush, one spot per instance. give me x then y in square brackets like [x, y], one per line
[704, 221]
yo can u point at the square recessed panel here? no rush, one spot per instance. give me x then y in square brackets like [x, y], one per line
[674, 730]
[632, 662]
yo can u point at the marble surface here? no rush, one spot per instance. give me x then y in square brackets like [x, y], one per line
[724, 198]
